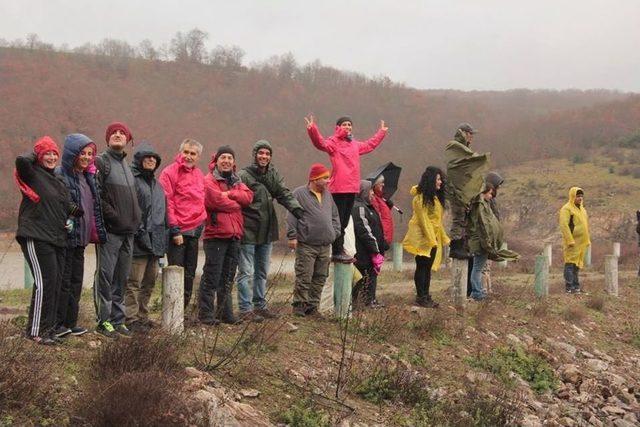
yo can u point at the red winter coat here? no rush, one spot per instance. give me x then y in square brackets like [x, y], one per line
[380, 205]
[224, 213]
[344, 156]
[184, 188]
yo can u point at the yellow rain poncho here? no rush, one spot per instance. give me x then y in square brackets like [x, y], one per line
[574, 226]
[426, 230]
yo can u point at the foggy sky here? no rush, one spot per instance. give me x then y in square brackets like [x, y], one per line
[465, 44]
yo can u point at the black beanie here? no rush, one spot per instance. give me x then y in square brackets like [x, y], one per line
[225, 149]
[343, 119]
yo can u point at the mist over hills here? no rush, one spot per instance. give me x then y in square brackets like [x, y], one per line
[56, 93]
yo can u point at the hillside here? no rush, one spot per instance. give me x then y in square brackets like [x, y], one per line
[45, 92]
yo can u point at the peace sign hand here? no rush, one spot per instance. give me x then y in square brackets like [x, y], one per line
[309, 121]
[382, 126]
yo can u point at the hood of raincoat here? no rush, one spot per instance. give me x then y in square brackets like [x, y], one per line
[263, 143]
[365, 186]
[460, 138]
[144, 150]
[73, 145]
[494, 179]
[573, 191]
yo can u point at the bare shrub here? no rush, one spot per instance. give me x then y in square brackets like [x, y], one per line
[26, 382]
[596, 302]
[573, 313]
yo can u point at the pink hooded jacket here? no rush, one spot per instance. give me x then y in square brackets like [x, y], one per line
[184, 188]
[344, 156]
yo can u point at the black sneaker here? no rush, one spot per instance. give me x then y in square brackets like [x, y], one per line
[123, 330]
[78, 330]
[106, 329]
[61, 331]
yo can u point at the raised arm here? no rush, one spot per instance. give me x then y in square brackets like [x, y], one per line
[370, 144]
[24, 166]
[316, 137]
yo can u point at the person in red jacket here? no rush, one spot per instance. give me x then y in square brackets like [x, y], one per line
[344, 153]
[183, 184]
[383, 207]
[224, 197]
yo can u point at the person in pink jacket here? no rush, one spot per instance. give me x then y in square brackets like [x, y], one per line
[344, 153]
[183, 184]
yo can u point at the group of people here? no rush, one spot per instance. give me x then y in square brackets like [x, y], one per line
[136, 216]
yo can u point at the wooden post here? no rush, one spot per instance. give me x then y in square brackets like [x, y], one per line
[459, 271]
[503, 264]
[28, 277]
[173, 298]
[342, 279]
[616, 249]
[611, 274]
[548, 251]
[397, 256]
[587, 257]
[542, 276]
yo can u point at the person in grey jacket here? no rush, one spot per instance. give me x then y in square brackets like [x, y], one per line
[311, 236]
[122, 218]
[150, 241]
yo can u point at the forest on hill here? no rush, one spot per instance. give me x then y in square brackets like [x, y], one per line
[167, 94]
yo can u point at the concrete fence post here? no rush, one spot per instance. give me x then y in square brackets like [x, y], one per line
[548, 252]
[459, 272]
[342, 280]
[173, 298]
[611, 274]
[616, 249]
[542, 276]
[587, 257]
[397, 256]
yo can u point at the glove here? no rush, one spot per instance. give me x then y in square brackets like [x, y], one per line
[298, 212]
[377, 261]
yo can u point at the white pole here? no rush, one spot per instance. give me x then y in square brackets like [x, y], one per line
[611, 274]
[173, 298]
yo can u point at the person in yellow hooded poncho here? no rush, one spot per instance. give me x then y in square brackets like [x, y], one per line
[425, 236]
[574, 226]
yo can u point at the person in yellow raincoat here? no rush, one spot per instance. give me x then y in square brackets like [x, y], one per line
[574, 226]
[425, 236]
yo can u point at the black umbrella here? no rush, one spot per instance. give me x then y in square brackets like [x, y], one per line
[391, 175]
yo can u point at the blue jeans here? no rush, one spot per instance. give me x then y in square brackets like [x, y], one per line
[253, 268]
[479, 260]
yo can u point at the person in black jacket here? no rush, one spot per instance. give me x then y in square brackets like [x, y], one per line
[370, 245]
[78, 173]
[150, 241]
[42, 233]
[122, 218]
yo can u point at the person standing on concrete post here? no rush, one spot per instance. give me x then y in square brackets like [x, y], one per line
[183, 184]
[344, 152]
[574, 226]
[370, 246]
[122, 218]
[78, 173]
[150, 241]
[425, 236]
[311, 236]
[260, 230]
[465, 173]
[42, 233]
[225, 197]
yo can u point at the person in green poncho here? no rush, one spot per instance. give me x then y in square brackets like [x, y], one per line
[465, 172]
[485, 238]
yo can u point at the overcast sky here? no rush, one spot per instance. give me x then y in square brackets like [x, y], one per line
[459, 44]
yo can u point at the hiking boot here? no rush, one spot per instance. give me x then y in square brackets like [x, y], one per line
[210, 322]
[106, 329]
[251, 316]
[342, 258]
[428, 303]
[267, 314]
[61, 331]
[457, 249]
[231, 320]
[78, 330]
[123, 330]
[300, 310]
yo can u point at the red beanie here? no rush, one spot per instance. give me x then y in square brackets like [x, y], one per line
[118, 126]
[44, 145]
[317, 171]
